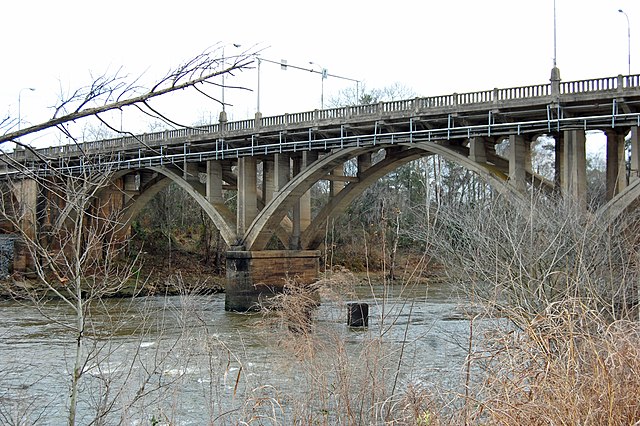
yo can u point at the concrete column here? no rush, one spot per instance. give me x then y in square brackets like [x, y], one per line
[214, 182]
[477, 150]
[294, 241]
[268, 188]
[247, 193]
[26, 194]
[616, 171]
[301, 214]
[635, 155]
[191, 172]
[282, 172]
[559, 161]
[364, 162]
[308, 158]
[574, 179]
[518, 147]
[336, 186]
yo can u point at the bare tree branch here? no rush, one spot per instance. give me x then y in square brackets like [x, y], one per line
[194, 72]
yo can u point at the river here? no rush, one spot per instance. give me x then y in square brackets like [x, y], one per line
[184, 360]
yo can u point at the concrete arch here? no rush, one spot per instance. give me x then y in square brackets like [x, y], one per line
[256, 237]
[133, 208]
[621, 203]
[221, 216]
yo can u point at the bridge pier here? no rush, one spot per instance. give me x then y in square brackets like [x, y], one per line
[574, 166]
[253, 276]
[634, 173]
[519, 161]
[25, 192]
[616, 171]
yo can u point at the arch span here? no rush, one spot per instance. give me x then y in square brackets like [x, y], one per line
[621, 203]
[219, 214]
[258, 235]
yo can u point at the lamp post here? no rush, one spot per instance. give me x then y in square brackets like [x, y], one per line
[223, 114]
[628, 39]
[19, 101]
[323, 73]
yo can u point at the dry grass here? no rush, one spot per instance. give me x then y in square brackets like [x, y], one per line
[566, 368]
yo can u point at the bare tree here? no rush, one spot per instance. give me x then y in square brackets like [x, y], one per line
[116, 92]
[74, 246]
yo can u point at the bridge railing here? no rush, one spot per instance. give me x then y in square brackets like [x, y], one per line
[534, 91]
[474, 97]
[591, 85]
[409, 106]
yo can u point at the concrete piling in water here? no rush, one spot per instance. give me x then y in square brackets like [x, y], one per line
[357, 314]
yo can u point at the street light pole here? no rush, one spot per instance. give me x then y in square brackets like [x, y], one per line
[323, 73]
[628, 39]
[223, 114]
[258, 91]
[19, 106]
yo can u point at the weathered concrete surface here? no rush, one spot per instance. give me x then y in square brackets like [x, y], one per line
[253, 276]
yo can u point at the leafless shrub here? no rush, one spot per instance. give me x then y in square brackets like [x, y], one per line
[337, 382]
[526, 257]
[570, 367]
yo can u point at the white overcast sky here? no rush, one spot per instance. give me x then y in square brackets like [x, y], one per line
[433, 47]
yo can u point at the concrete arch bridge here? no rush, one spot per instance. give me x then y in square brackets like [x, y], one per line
[272, 163]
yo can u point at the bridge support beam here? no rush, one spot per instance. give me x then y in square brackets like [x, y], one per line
[301, 215]
[364, 162]
[616, 165]
[26, 193]
[478, 150]
[635, 155]
[254, 276]
[574, 176]
[247, 207]
[519, 154]
[214, 182]
[335, 186]
[559, 162]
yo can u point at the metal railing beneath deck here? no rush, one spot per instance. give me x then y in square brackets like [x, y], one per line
[223, 151]
[408, 107]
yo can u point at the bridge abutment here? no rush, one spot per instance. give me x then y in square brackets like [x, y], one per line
[254, 276]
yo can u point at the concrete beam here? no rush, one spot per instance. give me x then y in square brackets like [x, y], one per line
[214, 182]
[616, 173]
[635, 155]
[518, 150]
[574, 179]
[247, 200]
[477, 150]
